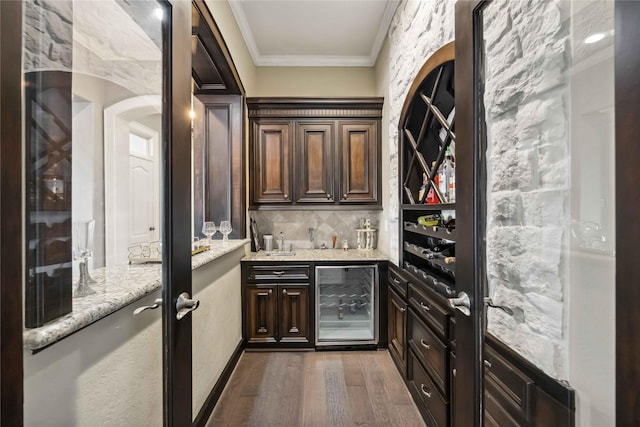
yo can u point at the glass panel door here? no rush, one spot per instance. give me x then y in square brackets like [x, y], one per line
[346, 304]
[95, 74]
[550, 231]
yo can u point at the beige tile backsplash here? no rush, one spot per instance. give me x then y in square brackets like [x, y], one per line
[295, 225]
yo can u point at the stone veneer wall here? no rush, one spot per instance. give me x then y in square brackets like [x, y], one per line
[417, 30]
[528, 113]
[295, 225]
[527, 98]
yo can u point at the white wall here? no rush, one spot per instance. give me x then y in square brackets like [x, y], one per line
[110, 373]
[389, 203]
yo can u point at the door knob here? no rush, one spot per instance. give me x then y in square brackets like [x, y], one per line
[157, 303]
[462, 303]
[152, 228]
[185, 304]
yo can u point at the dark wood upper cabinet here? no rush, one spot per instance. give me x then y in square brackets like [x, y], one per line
[271, 167]
[315, 162]
[358, 164]
[334, 153]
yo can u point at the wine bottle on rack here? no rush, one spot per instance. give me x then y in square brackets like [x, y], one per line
[432, 198]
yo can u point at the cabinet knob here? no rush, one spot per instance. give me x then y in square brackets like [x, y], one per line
[402, 309]
[328, 196]
[425, 391]
[344, 196]
[286, 196]
[270, 291]
[284, 292]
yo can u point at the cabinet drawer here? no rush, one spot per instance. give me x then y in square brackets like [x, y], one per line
[508, 386]
[427, 393]
[425, 305]
[428, 348]
[397, 282]
[277, 272]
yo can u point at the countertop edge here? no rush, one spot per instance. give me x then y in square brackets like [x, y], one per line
[38, 339]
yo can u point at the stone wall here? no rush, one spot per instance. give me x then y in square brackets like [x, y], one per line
[417, 30]
[528, 113]
[527, 98]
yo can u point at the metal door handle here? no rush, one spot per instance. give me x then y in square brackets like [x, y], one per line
[157, 303]
[185, 305]
[462, 303]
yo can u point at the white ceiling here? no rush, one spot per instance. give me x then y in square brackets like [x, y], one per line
[314, 32]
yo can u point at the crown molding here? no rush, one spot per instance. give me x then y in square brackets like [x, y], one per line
[312, 60]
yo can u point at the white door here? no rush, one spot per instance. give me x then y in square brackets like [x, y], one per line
[143, 194]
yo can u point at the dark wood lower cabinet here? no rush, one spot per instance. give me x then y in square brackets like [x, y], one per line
[397, 330]
[294, 313]
[261, 314]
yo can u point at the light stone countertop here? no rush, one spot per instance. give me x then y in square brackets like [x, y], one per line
[320, 255]
[116, 288]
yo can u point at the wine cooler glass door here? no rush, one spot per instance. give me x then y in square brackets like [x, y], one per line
[347, 305]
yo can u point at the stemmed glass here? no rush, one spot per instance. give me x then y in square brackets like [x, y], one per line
[82, 242]
[209, 229]
[225, 229]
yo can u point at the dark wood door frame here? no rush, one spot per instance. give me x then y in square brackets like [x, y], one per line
[627, 153]
[467, 398]
[11, 273]
[177, 396]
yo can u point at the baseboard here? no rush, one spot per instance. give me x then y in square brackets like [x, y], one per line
[216, 391]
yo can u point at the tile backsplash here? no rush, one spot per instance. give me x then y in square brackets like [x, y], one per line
[296, 224]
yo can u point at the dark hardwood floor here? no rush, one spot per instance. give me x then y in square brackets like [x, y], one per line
[316, 389]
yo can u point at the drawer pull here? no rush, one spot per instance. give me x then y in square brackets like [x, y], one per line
[291, 294]
[487, 364]
[425, 391]
[455, 372]
[425, 306]
[278, 273]
[425, 344]
[394, 280]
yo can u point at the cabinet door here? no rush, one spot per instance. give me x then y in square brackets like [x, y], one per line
[397, 330]
[272, 151]
[314, 171]
[294, 313]
[261, 314]
[358, 161]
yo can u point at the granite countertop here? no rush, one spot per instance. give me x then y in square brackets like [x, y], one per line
[116, 288]
[319, 255]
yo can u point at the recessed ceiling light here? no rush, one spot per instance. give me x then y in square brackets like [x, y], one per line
[159, 13]
[594, 38]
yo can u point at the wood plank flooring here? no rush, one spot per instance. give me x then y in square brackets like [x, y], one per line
[324, 388]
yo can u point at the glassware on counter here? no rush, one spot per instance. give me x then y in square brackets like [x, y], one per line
[82, 241]
[225, 229]
[209, 229]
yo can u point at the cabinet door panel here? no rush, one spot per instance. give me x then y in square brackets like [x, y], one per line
[314, 145]
[294, 313]
[272, 162]
[359, 162]
[397, 330]
[261, 314]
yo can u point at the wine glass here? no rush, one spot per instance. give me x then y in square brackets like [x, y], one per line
[209, 229]
[82, 243]
[225, 229]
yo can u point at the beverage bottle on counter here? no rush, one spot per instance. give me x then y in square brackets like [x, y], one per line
[340, 312]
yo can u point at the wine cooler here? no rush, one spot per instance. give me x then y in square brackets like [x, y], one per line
[346, 305]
